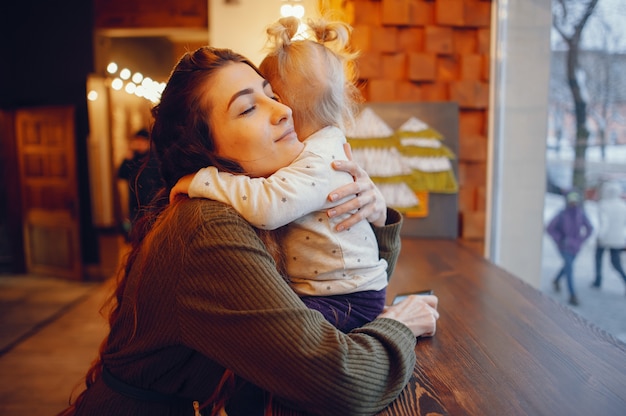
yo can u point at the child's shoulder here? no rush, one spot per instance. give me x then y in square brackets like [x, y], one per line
[327, 141]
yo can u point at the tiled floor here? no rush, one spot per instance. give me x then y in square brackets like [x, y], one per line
[50, 331]
[28, 303]
[49, 348]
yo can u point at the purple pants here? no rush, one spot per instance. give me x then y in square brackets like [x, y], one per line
[348, 311]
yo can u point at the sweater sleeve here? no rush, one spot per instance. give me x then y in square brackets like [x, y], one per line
[269, 203]
[389, 241]
[236, 309]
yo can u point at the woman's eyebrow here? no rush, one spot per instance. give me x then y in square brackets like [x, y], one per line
[238, 94]
[244, 92]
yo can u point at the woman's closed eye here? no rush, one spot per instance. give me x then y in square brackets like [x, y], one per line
[248, 110]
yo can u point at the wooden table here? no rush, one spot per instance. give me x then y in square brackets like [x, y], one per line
[502, 347]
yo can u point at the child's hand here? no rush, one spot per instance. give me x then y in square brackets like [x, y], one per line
[181, 187]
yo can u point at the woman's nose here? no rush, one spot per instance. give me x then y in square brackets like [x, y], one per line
[282, 113]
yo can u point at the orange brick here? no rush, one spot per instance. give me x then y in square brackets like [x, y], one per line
[472, 67]
[465, 41]
[381, 90]
[384, 39]
[409, 91]
[472, 174]
[407, 12]
[396, 12]
[486, 73]
[484, 40]
[477, 13]
[481, 198]
[361, 39]
[367, 13]
[439, 40]
[447, 68]
[422, 13]
[369, 65]
[436, 91]
[422, 66]
[411, 39]
[472, 122]
[470, 94]
[473, 225]
[467, 198]
[473, 148]
[394, 66]
[449, 12]
[463, 13]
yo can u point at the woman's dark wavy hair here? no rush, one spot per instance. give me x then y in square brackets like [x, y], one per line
[183, 142]
[181, 134]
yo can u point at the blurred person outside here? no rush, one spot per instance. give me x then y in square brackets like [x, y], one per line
[569, 229]
[140, 169]
[611, 227]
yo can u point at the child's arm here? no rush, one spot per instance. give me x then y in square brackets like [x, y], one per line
[181, 187]
[279, 199]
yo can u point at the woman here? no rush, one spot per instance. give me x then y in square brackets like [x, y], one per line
[201, 299]
[569, 229]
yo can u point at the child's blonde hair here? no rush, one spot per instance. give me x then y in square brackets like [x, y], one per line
[314, 76]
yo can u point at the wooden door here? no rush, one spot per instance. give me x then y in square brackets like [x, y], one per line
[47, 168]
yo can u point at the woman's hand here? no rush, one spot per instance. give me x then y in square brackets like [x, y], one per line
[418, 312]
[369, 203]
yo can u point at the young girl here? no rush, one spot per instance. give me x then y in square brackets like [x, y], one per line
[338, 273]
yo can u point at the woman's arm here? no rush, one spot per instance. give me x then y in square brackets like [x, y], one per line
[240, 312]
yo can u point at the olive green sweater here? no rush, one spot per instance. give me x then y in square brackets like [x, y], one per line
[204, 295]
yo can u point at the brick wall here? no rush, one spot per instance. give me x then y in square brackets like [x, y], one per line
[433, 50]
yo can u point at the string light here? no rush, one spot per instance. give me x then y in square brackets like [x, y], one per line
[138, 84]
[112, 68]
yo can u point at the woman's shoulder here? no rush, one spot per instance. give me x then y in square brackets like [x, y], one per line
[195, 212]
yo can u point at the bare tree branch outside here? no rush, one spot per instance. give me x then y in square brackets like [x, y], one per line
[588, 89]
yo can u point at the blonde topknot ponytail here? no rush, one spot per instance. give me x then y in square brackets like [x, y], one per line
[324, 48]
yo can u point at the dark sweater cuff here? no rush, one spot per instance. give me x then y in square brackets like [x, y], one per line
[387, 235]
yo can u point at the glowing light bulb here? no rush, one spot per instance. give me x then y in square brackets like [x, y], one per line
[137, 77]
[117, 84]
[130, 88]
[112, 68]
